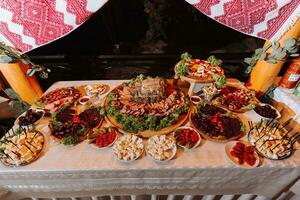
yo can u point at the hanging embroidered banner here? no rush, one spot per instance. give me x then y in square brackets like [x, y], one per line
[28, 24]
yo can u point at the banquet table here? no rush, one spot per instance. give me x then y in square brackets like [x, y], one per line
[80, 170]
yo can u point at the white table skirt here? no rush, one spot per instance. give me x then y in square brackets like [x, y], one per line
[287, 97]
[205, 170]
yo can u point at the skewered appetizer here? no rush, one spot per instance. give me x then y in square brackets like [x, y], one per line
[215, 123]
[236, 99]
[271, 140]
[53, 100]
[197, 69]
[21, 147]
[103, 137]
[30, 117]
[128, 148]
[161, 147]
[147, 106]
[187, 137]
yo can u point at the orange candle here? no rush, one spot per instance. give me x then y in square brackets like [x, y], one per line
[18, 81]
[32, 80]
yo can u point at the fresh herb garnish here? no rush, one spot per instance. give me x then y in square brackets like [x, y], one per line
[183, 67]
[70, 140]
[40, 103]
[102, 111]
[220, 81]
[133, 81]
[81, 131]
[186, 57]
[213, 61]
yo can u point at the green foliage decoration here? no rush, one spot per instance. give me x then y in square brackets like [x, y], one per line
[13, 55]
[290, 48]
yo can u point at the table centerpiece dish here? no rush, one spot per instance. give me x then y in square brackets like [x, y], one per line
[271, 139]
[70, 127]
[21, 146]
[161, 148]
[215, 123]
[235, 98]
[101, 138]
[146, 106]
[197, 70]
[128, 148]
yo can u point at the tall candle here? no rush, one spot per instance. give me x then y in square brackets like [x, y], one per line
[32, 80]
[18, 81]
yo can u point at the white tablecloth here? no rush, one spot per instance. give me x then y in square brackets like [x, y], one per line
[204, 170]
[287, 97]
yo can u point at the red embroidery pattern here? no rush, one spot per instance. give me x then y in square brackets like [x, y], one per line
[13, 38]
[42, 23]
[40, 20]
[205, 5]
[244, 14]
[78, 8]
[274, 24]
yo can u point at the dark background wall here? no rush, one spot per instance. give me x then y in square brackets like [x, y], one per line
[116, 39]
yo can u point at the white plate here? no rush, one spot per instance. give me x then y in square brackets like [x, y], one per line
[106, 147]
[23, 114]
[229, 146]
[174, 150]
[128, 161]
[187, 127]
[264, 104]
[196, 97]
[84, 102]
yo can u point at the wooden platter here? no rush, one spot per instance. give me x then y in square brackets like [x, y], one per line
[214, 139]
[146, 133]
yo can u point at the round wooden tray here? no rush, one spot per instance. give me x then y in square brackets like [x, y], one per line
[30, 161]
[146, 133]
[206, 136]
